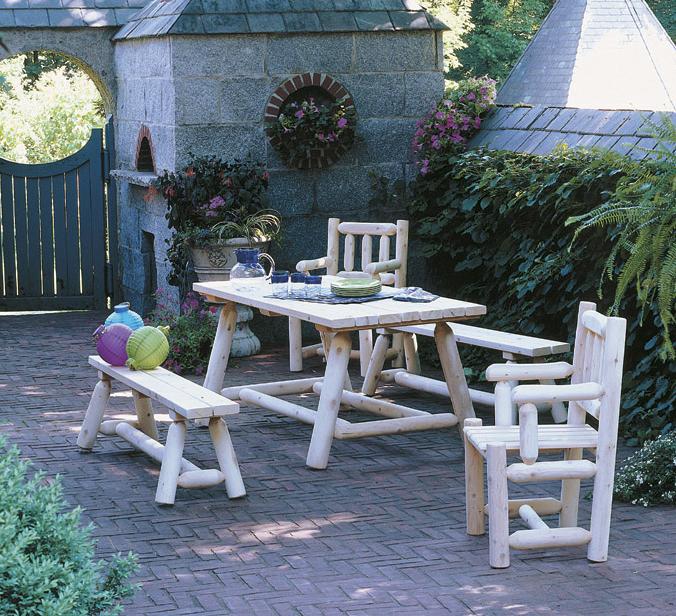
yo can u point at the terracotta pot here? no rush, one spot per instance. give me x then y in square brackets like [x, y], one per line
[214, 261]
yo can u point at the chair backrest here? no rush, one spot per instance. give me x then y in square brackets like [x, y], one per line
[366, 231]
[598, 357]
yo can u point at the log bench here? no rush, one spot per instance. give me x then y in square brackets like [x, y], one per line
[184, 400]
[514, 348]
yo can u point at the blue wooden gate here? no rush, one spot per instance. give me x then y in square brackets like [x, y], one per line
[55, 249]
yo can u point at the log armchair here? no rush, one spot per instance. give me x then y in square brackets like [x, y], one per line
[390, 269]
[594, 389]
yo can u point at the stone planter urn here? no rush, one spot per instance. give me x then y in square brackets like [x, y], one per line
[214, 262]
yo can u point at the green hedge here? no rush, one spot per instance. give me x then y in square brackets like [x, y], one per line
[493, 227]
[47, 564]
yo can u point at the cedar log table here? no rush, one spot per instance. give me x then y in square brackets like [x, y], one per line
[335, 323]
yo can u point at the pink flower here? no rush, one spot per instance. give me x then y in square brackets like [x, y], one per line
[342, 123]
[332, 136]
[320, 137]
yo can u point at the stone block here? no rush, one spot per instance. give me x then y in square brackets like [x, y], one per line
[164, 146]
[303, 237]
[197, 101]
[292, 192]
[153, 95]
[343, 190]
[129, 229]
[385, 140]
[243, 99]
[300, 53]
[232, 55]
[376, 95]
[131, 99]
[228, 142]
[423, 91]
[376, 52]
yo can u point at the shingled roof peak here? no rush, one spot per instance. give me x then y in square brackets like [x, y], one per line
[596, 54]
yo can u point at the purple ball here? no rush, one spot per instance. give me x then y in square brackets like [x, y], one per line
[111, 343]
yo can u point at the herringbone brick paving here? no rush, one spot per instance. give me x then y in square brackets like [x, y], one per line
[380, 533]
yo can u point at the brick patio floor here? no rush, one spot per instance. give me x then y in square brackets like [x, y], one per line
[380, 532]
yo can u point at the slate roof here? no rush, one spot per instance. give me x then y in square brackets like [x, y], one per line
[591, 77]
[597, 54]
[67, 13]
[540, 129]
[281, 16]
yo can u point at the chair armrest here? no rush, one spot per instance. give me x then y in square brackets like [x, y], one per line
[313, 264]
[535, 394]
[529, 372]
[382, 266]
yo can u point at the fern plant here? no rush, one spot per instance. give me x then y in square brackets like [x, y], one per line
[259, 226]
[643, 212]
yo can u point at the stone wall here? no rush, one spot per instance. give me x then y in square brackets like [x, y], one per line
[213, 99]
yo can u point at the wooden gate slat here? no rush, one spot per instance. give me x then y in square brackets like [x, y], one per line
[47, 237]
[21, 234]
[60, 240]
[98, 222]
[86, 231]
[72, 235]
[7, 245]
[33, 282]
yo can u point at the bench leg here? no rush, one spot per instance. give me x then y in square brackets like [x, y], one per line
[220, 351]
[171, 464]
[227, 459]
[94, 414]
[145, 415]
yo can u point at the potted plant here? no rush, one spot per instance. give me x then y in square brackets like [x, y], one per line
[214, 208]
[312, 133]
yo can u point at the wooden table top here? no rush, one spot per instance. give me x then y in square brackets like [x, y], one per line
[336, 317]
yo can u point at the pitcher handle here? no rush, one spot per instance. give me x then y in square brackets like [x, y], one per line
[265, 255]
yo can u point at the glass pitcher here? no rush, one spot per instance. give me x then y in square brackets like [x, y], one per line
[248, 268]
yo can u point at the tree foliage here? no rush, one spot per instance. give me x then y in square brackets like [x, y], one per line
[45, 114]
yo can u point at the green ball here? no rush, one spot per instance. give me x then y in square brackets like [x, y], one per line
[147, 348]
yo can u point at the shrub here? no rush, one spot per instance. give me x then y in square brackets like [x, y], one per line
[492, 224]
[648, 477]
[191, 334]
[47, 561]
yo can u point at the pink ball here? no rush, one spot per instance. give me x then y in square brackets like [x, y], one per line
[111, 343]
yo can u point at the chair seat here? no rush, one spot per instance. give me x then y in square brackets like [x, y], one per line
[550, 438]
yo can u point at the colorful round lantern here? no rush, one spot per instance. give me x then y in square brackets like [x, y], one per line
[122, 314]
[111, 343]
[147, 348]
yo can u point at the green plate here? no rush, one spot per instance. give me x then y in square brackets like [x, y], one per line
[355, 284]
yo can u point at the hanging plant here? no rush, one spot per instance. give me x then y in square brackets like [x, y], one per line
[309, 134]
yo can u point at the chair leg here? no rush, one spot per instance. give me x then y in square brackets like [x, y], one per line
[602, 505]
[570, 494]
[498, 505]
[398, 346]
[474, 486]
[365, 349]
[375, 365]
[171, 464]
[411, 353]
[145, 415]
[295, 345]
[227, 459]
[94, 414]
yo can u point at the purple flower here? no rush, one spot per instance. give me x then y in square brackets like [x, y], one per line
[342, 123]
[425, 166]
[216, 202]
[321, 137]
[299, 114]
[471, 96]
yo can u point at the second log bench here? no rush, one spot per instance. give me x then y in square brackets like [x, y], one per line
[185, 401]
[515, 348]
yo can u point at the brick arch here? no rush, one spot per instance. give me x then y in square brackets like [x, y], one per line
[332, 88]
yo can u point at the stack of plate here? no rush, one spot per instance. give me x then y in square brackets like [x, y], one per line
[356, 287]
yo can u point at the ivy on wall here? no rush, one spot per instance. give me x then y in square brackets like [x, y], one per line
[492, 225]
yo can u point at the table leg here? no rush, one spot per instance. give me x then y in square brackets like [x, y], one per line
[329, 401]
[220, 351]
[453, 372]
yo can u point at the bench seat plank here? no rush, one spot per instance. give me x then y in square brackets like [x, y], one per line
[550, 437]
[518, 344]
[186, 398]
